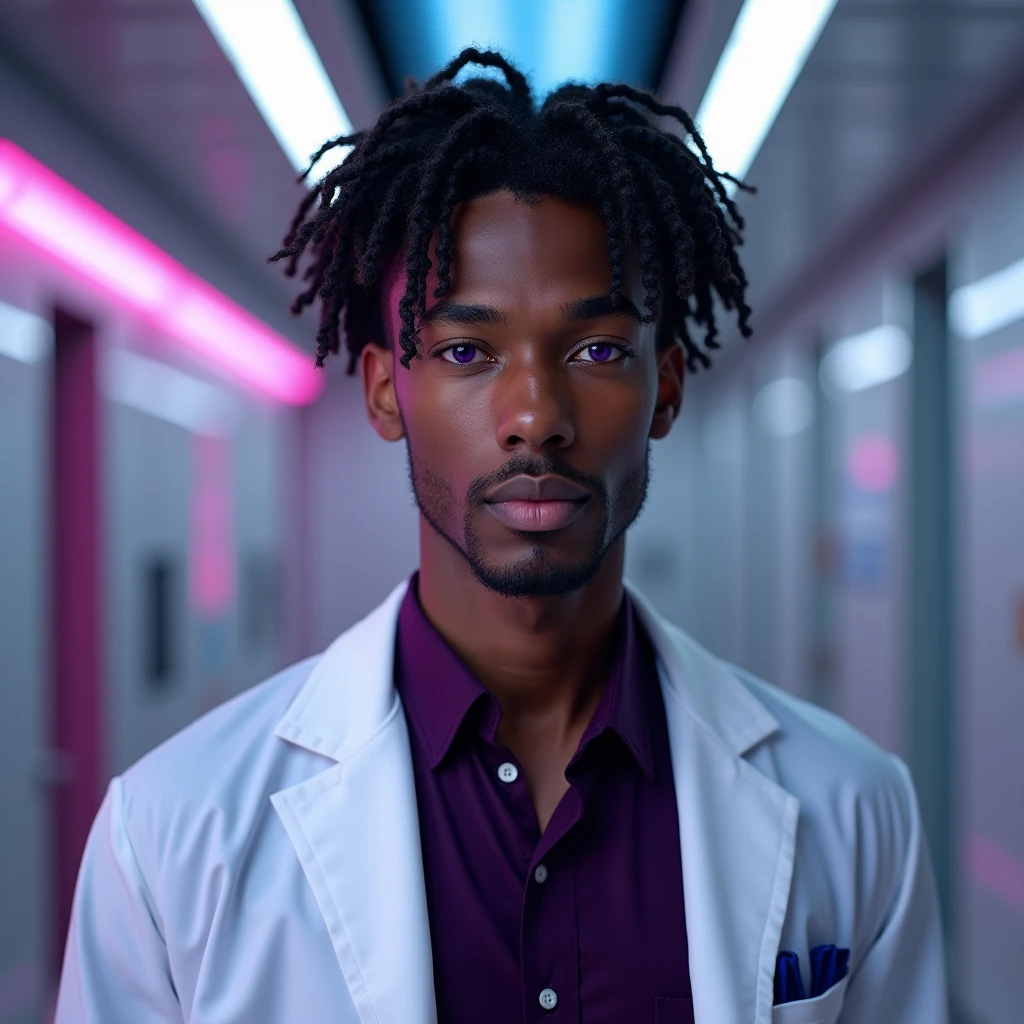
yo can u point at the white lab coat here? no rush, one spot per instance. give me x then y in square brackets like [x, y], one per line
[263, 866]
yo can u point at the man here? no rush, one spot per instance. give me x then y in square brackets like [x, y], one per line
[513, 792]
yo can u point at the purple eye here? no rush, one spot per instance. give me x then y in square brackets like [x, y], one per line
[460, 353]
[602, 352]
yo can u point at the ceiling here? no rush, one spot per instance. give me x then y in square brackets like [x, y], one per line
[888, 81]
[618, 40]
[148, 80]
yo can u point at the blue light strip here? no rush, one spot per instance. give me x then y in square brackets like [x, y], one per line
[553, 41]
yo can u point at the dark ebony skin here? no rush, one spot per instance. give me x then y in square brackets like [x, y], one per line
[533, 398]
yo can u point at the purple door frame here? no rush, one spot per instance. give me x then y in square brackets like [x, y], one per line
[76, 614]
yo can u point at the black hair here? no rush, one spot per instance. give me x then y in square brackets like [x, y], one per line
[443, 144]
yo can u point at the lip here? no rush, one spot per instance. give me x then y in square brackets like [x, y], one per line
[537, 490]
[537, 516]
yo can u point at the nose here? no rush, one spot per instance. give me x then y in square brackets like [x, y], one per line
[534, 411]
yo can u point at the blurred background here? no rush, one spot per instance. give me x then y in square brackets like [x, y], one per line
[186, 507]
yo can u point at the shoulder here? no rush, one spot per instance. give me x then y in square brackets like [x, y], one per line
[206, 788]
[238, 727]
[859, 817]
[817, 754]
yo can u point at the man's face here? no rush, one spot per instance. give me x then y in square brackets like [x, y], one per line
[529, 412]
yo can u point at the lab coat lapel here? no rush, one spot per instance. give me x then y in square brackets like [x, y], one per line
[737, 830]
[355, 826]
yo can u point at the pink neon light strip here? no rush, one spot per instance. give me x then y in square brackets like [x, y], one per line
[69, 228]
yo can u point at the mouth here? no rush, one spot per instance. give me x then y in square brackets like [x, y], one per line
[537, 504]
[537, 516]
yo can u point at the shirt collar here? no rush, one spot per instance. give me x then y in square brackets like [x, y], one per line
[438, 689]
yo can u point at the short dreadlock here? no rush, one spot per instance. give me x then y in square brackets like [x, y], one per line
[443, 144]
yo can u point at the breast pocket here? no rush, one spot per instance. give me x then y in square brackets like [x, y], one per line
[823, 1009]
[673, 1010]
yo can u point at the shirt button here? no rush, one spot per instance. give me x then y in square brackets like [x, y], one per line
[549, 998]
[540, 873]
[508, 772]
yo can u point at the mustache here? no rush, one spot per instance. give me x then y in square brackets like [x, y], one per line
[524, 463]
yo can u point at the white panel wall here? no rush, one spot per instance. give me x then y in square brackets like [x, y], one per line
[146, 515]
[990, 695]
[363, 520]
[869, 656]
[779, 608]
[148, 488]
[24, 441]
[663, 546]
[725, 491]
[262, 519]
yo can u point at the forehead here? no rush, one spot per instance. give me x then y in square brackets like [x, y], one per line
[527, 249]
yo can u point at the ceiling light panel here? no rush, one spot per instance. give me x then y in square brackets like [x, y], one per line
[551, 41]
[865, 360]
[765, 53]
[24, 337]
[988, 304]
[272, 54]
[163, 391]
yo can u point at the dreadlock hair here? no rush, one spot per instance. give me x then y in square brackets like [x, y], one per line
[443, 144]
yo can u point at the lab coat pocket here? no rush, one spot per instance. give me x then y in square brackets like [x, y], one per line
[823, 1009]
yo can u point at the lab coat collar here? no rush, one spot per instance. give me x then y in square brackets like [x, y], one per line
[350, 692]
[355, 827]
[711, 692]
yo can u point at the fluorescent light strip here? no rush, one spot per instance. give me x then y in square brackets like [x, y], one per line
[24, 337]
[765, 53]
[272, 54]
[574, 44]
[70, 229]
[988, 304]
[867, 359]
[167, 393]
[452, 25]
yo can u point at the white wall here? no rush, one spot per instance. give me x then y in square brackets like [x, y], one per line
[362, 519]
[24, 535]
[147, 494]
[990, 694]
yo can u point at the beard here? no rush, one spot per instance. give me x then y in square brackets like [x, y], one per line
[535, 573]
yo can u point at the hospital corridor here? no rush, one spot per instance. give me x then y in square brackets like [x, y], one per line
[189, 504]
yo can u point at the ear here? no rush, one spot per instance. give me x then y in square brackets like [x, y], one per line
[671, 373]
[376, 366]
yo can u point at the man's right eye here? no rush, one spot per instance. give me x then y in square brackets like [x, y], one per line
[462, 355]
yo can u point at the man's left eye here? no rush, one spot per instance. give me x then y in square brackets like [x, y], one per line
[462, 355]
[600, 352]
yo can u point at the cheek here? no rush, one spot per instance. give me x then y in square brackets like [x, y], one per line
[619, 418]
[447, 426]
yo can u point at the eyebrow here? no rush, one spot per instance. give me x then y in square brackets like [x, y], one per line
[601, 305]
[445, 312]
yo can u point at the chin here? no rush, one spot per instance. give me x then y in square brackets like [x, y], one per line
[536, 575]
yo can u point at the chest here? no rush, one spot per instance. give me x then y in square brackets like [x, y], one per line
[583, 921]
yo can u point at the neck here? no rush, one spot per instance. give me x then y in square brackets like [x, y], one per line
[544, 658]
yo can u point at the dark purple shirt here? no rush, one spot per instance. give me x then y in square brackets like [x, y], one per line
[584, 923]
